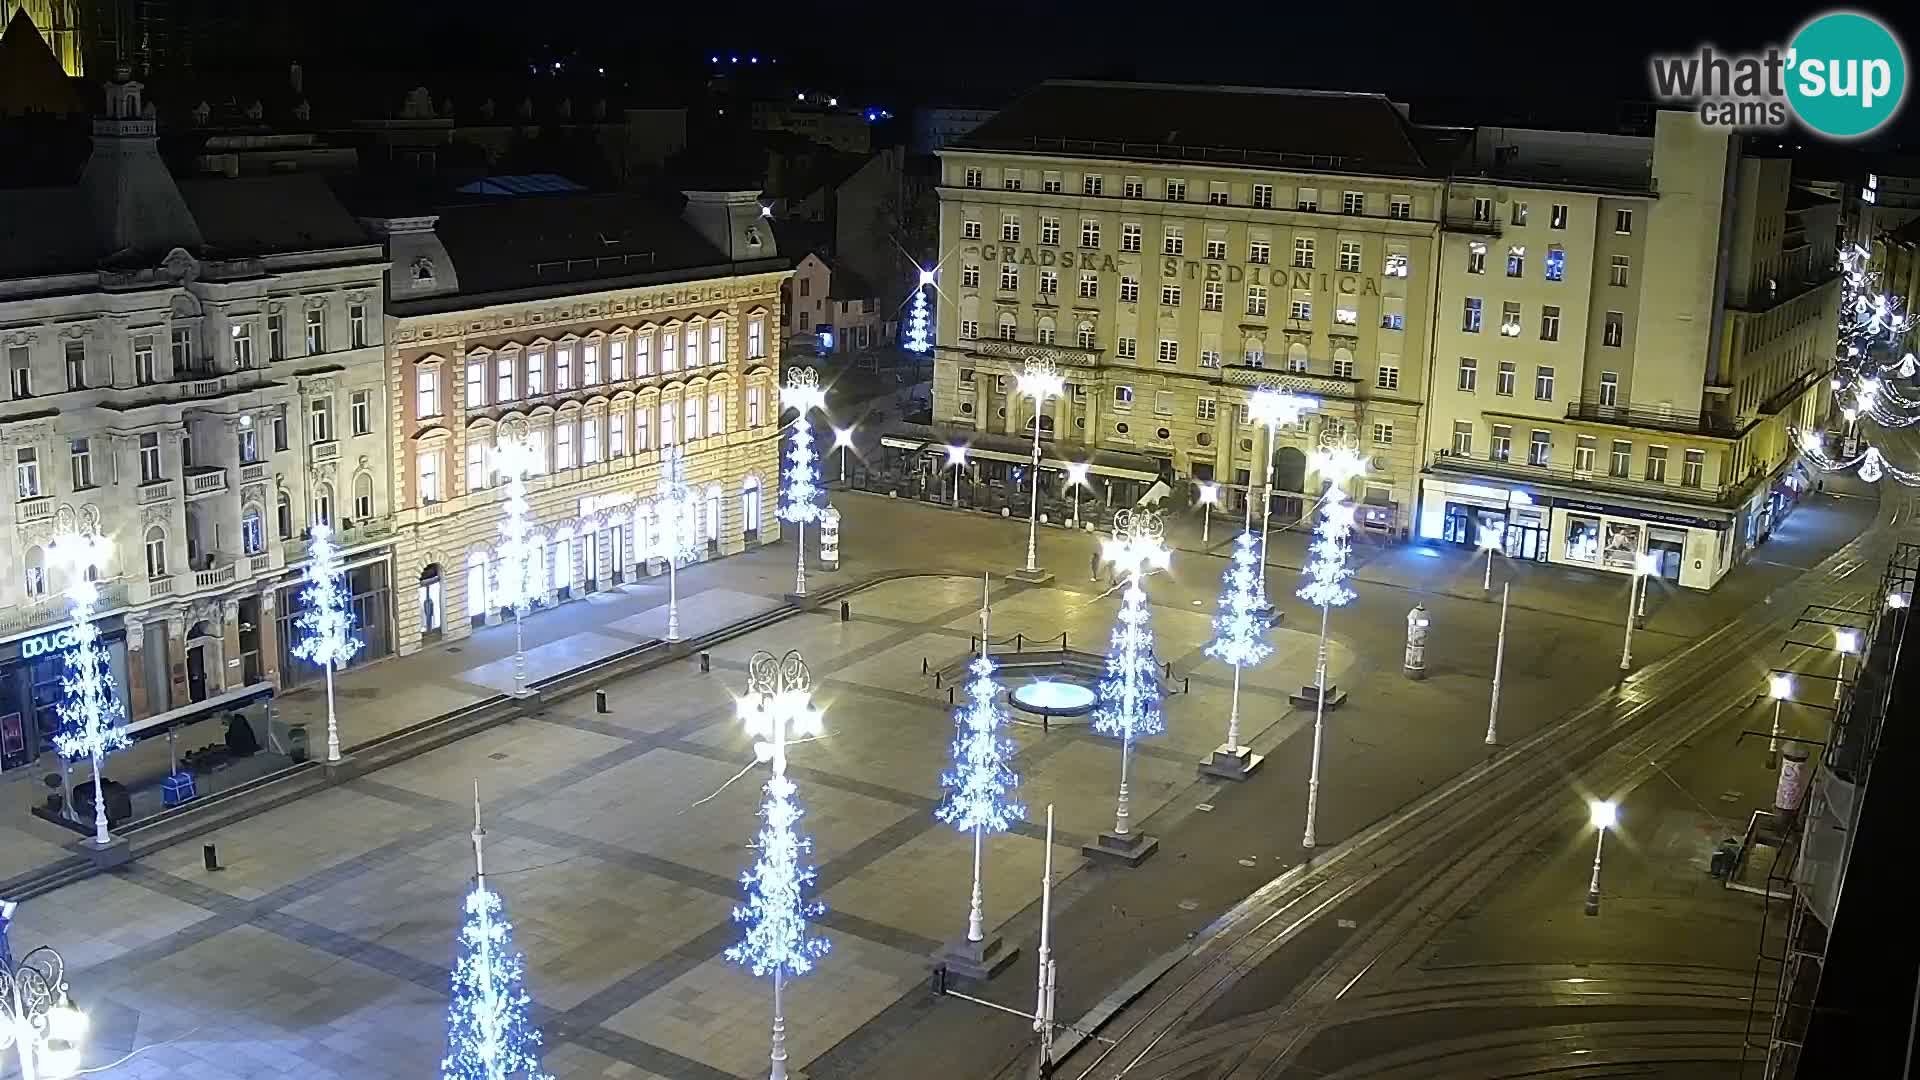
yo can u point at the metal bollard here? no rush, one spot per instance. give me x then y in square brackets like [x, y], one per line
[923, 665]
[209, 856]
[600, 701]
[949, 695]
[936, 680]
[846, 611]
[706, 662]
[1186, 684]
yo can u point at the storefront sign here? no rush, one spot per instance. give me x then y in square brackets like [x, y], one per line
[1660, 516]
[52, 641]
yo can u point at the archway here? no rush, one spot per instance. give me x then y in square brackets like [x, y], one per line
[1289, 482]
[203, 660]
[427, 600]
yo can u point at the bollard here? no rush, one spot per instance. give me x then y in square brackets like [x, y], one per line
[1186, 684]
[600, 701]
[923, 665]
[949, 695]
[846, 611]
[1169, 669]
[706, 662]
[209, 856]
[936, 680]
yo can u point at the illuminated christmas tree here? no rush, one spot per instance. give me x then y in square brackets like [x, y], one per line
[490, 1032]
[919, 326]
[1239, 640]
[93, 722]
[326, 620]
[980, 785]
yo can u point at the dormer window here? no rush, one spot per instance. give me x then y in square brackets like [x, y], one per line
[422, 272]
[753, 236]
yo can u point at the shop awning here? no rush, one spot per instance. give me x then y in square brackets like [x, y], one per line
[1016, 450]
[199, 710]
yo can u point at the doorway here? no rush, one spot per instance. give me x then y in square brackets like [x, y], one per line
[1669, 548]
[427, 598]
[1526, 540]
[202, 660]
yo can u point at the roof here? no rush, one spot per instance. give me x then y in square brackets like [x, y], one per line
[268, 215]
[845, 284]
[1325, 131]
[31, 79]
[1799, 198]
[48, 231]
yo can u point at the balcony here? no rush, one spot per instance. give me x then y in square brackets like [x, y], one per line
[52, 609]
[155, 491]
[160, 586]
[1467, 223]
[367, 532]
[1654, 418]
[259, 564]
[28, 511]
[216, 576]
[323, 451]
[1298, 382]
[254, 473]
[1715, 495]
[204, 480]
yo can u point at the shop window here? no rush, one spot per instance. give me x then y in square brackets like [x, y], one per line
[1583, 539]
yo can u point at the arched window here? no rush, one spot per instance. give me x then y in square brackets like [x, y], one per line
[1296, 357]
[477, 585]
[253, 529]
[1045, 333]
[713, 512]
[36, 564]
[750, 505]
[323, 504]
[1255, 354]
[156, 552]
[1009, 329]
[283, 513]
[1343, 362]
[363, 496]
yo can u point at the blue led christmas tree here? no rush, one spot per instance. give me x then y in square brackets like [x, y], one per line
[980, 785]
[490, 1032]
[92, 720]
[1239, 640]
[326, 620]
[918, 328]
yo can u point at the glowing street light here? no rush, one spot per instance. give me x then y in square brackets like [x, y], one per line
[1846, 643]
[37, 1019]
[1209, 495]
[1490, 542]
[1040, 381]
[1897, 600]
[1779, 688]
[514, 457]
[1604, 816]
[843, 441]
[956, 457]
[1077, 479]
[1644, 564]
[1327, 588]
[802, 394]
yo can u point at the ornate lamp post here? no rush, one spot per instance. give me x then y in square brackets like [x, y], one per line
[1327, 587]
[956, 457]
[1040, 381]
[37, 1019]
[514, 458]
[802, 394]
[674, 537]
[1604, 816]
[843, 441]
[92, 717]
[1130, 690]
[1780, 689]
[1271, 408]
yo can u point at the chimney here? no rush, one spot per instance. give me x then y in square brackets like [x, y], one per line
[732, 221]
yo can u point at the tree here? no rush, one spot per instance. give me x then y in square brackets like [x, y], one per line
[980, 784]
[490, 1032]
[1239, 630]
[93, 722]
[326, 620]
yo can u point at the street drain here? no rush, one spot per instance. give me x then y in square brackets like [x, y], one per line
[497, 757]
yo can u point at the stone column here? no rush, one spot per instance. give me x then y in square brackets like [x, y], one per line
[176, 660]
[269, 637]
[138, 707]
[229, 677]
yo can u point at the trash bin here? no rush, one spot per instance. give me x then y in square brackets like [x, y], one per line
[297, 743]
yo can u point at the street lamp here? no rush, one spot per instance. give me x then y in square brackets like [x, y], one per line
[1076, 479]
[1499, 660]
[1040, 381]
[514, 457]
[802, 394]
[1490, 542]
[1209, 495]
[1603, 815]
[1846, 643]
[675, 538]
[1271, 408]
[956, 457]
[1779, 688]
[94, 722]
[1327, 588]
[843, 441]
[1897, 600]
[37, 1019]
[1643, 565]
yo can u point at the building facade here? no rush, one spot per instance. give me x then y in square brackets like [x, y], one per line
[1287, 239]
[194, 372]
[668, 337]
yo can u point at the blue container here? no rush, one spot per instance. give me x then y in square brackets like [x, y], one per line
[176, 788]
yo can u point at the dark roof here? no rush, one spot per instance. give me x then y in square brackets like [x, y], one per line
[1799, 198]
[525, 184]
[48, 231]
[1341, 132]
[845, 284]
[536, 241]
[268, 215]
[30, 76]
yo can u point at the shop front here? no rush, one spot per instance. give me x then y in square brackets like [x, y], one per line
[31, 670]
[1460, 513]
[372, 620]
[1688, 550]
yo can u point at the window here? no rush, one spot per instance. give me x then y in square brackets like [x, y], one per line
[81, 456]
[1089, 233]
[1009, 331]
[476, 383]
[1260, 251]
[357, 325]
[316, 331]
[1307, 199]
[973, 178]
[1463, 438]
[1129, 291]
[476, 464]
[1516, 261]
[617, 351]
[20, 369]
[1657, 464]
[1583, 449]
[1163, 404]
[1400, 208]
[969, 276]
[1349, 256]
[1089, 285]
[26, 472]
[1303, 252]
[1049, 283]
[1123, 397]
[276, 337]
[1011, 181]
[589, 440]
[1504, 379]
[1469, 379]
[1476, 258]
[1214, 297]
[1543, 384]
[360, 410]
[590, 361]
[1263, 196]
[669, 356]
[1256, 300]
[1502, 446]
[643, 353]
[1550, 323]
[429, 463]
[239, 348]
[1169, 351]
[969, 328]
[1205, 409]
[1519, 213]
[1209, 358]
[1509, 319]
[756, 338]
[1091, 184]
[1346, 310]
[283, 514]
[1129, 237]
[426, 396]
[1470, 316]
[1622, 458]
[143, 366]
[1217, 194]
[617, 433]
[1540, 450]
[1558, 220]
[1301, 307]
[1692, 466]
[1044, 333]
[753, 406]
[1618, 270]
[1609, 389]
[503, 392]
[280, 430]
[1382, 433]
[1353, 202]
[1170, 295]
[1623, 222]
[253, 530]
[1173, 241]
[1050, 183]
[1009, 277]
[1216, 249]
[1176, 191]
[1393, 313]
[641, 415]
[1050, 231]
[156, 552]
[1010, 230]
[1483, 210]
[970, 230]
[1342, 366]
[1297, 362]
[537, 372]
[1556, 264]
[180, 348]
[692, 356]
[319, 420]
[1615, 331]
[1387, 376]
[1134, 188]
[1125, 348]
[1086, 338]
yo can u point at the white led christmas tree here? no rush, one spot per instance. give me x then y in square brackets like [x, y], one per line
[92, 720]
[1326, 588]
[676, 536]
[326, 620]
[918, 325]
[490, 1030]
[1129, 691]
[1239, 641]
[802, 393]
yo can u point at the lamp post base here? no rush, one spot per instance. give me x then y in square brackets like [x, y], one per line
[115, 852]
[1232, 762]
[1309, 697]
[1040, 576]
[1129, 850]
[976, 960]
[342, 764]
